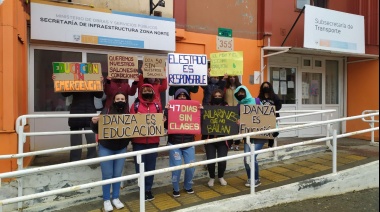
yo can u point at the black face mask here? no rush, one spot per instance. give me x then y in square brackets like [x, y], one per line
[120, 105]
[266, 90]
[147, 95]
[240, 97]
[217, 101]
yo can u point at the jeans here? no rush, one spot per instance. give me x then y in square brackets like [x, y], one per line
[247, 148]
[149, 161]
[175, 159]
[212, 149]
[76, 139]
[111, 169]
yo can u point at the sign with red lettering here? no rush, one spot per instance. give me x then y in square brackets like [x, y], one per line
[184, 117]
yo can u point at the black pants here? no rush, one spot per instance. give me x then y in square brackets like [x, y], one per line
[76, 139]
[212, 149]
[270, 142]
[236, 142]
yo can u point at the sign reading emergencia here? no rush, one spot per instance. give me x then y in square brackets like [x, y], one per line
[54, 23]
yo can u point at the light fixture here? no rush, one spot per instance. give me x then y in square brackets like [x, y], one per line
[153, 6]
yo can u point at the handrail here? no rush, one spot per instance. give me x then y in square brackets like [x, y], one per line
[371, 123]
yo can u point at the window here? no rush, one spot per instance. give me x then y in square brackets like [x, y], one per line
[318, 3]
[284, 83]
[332, 82]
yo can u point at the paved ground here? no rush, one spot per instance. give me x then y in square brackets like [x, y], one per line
[351, 152]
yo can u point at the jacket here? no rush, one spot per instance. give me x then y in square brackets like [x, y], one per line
[178, 138]
[189, 89]
[111, 87]
[145, 107]
[276, 102]
[157, 87]
[82, 103]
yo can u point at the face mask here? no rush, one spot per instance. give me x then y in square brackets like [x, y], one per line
[266, 90]
[151, 80]
[120, 105]
[214, 81]
[217, 101]
[147, 95]
[240, 97]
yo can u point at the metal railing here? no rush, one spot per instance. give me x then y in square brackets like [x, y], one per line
[138, 154]
[371, 122]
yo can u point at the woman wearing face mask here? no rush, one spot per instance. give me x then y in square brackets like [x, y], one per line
[112, 168]
[146, 103]
[113, 86]
[158, 86]
[268, 97]
[232, 83]
[218, 148]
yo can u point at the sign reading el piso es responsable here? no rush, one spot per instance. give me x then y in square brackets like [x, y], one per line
[333, 30]
[54, 23]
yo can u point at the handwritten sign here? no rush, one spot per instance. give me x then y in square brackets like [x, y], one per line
[154, 67]
[254, 118]
[117, 126]
[187, 69]
[184, 117]
[220, 120]
[77, 77]
[122, 66]
[230, 63]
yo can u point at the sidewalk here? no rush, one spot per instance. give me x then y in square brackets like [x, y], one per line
[351, 153]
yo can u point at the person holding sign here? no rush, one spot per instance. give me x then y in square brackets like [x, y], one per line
[158, 86]
[220, 148]
[188, 153]
[112, 168]
[113, 86]
[244, 97]
[146, 103]
[268, 97]
[231, 84]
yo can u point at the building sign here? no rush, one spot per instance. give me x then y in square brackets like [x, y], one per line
[224, 40]
[332, 30]
[187, 69]
[230, 63]
[63, 24]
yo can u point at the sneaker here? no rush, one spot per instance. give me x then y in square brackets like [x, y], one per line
[231, 147]
[257, 183]
[211, 182]
[236, 148]
[149, 196]
[222, 181]
[107, 206]
[117, 203]
[176, 193]
[189, 191]
[248, 183]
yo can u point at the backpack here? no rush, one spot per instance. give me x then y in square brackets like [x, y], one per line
[137, 104]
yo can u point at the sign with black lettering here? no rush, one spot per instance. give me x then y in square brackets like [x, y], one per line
[187, 69]
[154, 67]
[220, 120]
[116, 126]
[254, 118]
[122, 66]
[184, 117]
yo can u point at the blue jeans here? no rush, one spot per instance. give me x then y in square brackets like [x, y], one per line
[247, 148]
[175, 159]
[149, 161]
[111, 169]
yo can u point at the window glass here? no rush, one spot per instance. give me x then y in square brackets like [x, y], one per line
[45, 99]
[332, 82]
[284, 83]
[311, 88]
[301, 3]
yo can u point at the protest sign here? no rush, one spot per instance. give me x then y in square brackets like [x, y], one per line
[122, 66]
[230, 63]
[187, 69]
[220, 120]
[154, 67]
[116, 126]
[254, 118]
[184, 117]
[77, 77]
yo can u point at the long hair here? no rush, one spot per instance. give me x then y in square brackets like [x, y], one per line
[213, 94]
[114, 110]
[271, 91]
[228, 83]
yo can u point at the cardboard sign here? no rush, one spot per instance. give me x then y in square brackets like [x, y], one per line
[154, 67]
[220, 120]
[77, 77]
[184, 117]
[254, 118]
[122, 66]
[187, 69]
[230, 63]
[117, 126]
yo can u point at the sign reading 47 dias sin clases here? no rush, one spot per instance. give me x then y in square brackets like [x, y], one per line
[77, 77]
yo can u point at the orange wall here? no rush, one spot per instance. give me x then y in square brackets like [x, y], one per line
[13, 76]
[363, 94]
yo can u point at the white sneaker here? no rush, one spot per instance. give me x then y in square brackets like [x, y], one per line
[222, 181]
[211, 182]
[248, 183]
[107, 206]
[117, 203]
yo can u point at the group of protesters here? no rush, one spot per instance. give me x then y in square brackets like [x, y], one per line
[220, 91]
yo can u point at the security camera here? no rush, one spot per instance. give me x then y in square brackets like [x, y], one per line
[161, 3]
